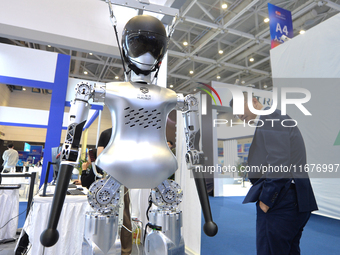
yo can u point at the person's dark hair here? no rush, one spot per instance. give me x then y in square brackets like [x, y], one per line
[171, 142]
[10, 145]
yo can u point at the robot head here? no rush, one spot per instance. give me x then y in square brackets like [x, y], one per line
[144, 44]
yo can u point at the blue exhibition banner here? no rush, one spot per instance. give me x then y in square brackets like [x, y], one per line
[36, 149]
[280, 23]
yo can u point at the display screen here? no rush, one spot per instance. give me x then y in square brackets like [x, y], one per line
[27, 147]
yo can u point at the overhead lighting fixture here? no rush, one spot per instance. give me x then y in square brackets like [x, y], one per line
[116, 77]
[171, 86]
[85, 72]
[185, 43]
[218, 77]
[23, 89]
[91, 53]
[251, 59]
[302, 32]
[265, 86]
[49, 46]
[191, 71]
[224, 6]
[220, 52]
[266, 20]
[243, 82]
[194, 89]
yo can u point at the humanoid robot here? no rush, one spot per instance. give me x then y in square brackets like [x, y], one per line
[137, 155]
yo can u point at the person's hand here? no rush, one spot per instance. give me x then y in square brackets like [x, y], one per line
[264, 207]
[85, 165]
[77, 182]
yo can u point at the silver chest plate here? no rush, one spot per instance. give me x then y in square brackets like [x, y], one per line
[137, 155]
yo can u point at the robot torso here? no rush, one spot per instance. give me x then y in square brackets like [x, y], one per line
[137, 155]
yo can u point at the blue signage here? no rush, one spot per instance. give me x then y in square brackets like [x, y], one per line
[280, 23]
[36, 149]
[246, 147]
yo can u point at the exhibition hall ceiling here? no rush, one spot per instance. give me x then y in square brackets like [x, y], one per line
[210, 43]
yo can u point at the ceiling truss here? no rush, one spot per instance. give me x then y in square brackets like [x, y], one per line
[239, 31]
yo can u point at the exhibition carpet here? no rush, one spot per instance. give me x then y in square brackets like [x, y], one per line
[236, 231]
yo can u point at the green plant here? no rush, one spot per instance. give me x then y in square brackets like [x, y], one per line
[79, 167]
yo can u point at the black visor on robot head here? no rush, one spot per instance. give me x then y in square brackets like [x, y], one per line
[141, 42]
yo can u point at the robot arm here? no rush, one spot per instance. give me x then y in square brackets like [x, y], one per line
[69, 158]
[195, 157]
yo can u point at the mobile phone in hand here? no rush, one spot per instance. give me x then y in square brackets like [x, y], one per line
[92, 155]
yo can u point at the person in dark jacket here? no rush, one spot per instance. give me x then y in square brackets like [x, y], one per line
[281, 188]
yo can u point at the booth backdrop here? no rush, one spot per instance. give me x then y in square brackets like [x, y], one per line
[311, 61]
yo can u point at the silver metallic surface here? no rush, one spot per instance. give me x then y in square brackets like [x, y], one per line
[137, 155]
[78, 114]
[181, 104]
[144, 62]
[101, 234]
[104, 195]
[194, 157]
[99, 93]
[140, 78]
[167, 195]
[84, 91]
[169, 241]
[94, 169]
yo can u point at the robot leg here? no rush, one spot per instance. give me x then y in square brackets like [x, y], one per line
[101, 234]
[165, 220]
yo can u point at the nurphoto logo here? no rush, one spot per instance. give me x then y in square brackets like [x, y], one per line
[239, 102]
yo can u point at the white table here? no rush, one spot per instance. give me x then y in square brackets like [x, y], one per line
[9, 208]
[70, 227]
[24, 181]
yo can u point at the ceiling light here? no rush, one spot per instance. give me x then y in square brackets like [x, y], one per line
[251, 59]
[49, 46]
[265, 86]
[194, 89]
[220, 51]
[191, 71]
[266, 20]
[185, 43]
[224, 6]
[243, 82]
[85, 72]
[171, 86]
[302, 32]
[91, 53]
[116, 77]
[23, 89]
[218, 77]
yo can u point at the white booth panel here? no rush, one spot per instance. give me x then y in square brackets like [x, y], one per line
[78, 24]
[311, 61]
[31, 60]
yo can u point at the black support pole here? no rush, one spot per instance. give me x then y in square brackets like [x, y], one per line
[30, 193]
[46, 177]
